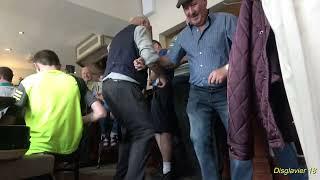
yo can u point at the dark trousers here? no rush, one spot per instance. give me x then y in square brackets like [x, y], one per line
[181, 93]
[128, 105]
[108, 125]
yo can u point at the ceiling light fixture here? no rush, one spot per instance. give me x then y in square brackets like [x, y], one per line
[21, 32]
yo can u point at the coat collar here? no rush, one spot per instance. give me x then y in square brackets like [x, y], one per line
[5, 84]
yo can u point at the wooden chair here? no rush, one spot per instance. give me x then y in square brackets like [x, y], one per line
[68, 163]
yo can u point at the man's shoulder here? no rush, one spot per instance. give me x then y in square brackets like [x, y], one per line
[31, 76]
[6, 90]
[222, 15]
[130, 27]
[184, 32]
[29, 80]
[185, 29]
[139, 29]
[80, 82]
[42, 76]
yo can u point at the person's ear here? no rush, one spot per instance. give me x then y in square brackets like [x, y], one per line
[36, 67]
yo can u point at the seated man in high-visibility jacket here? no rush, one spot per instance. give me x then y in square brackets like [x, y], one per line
[52, 100]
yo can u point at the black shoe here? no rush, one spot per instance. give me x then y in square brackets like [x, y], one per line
[168, 176]
[105, 141]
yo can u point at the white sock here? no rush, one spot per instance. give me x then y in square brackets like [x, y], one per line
[113, 134]
[166, 167]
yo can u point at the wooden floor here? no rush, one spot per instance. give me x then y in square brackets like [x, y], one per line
[262, 166]
[103, 173]
[107, 172]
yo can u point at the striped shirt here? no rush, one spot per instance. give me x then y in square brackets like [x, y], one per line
[6, 90]
[207, 50]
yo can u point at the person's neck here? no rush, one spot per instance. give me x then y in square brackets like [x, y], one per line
[203, 24]
[4, 81]
[48, 68]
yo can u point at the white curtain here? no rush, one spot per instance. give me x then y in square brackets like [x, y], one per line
[296, 24]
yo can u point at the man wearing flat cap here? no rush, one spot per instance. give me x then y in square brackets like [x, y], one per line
[206, 42]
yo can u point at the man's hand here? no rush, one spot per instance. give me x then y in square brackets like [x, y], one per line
[218, 76]
[99, 96]
[162, 82]
[98, 113]
[139, 64]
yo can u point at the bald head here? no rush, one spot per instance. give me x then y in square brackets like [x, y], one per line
[141, 21]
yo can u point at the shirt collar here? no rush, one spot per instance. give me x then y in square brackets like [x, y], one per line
[5, 84]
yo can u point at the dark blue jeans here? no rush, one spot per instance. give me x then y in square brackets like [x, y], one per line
[203, 103]
[287, 159]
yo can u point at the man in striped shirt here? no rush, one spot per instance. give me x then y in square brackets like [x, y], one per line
[6, 89]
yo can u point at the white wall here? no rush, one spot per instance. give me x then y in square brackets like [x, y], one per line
[123, 9]
[166, 15]
[20, 66]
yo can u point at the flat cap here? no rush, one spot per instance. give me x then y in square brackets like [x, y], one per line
[181, 2]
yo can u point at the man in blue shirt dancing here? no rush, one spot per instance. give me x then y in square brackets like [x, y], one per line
[206, 42]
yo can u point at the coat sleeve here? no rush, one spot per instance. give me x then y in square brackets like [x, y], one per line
[239, 88]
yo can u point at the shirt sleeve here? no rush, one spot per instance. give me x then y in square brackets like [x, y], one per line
[231, 24]
[21, 96]
[144, 44]
[175, 53]
[87, 97]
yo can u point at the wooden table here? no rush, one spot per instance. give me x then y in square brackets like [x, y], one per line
[26, 167]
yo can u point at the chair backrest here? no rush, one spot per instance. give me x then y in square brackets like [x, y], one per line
[68, 162]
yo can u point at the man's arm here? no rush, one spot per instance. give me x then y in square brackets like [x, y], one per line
[172, 59]
[16, 112]
[218, 76]
[175, 54]
[21, 96]
[164, 61]
[98, 111]
[231, 25]
[146, 50]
